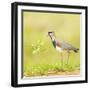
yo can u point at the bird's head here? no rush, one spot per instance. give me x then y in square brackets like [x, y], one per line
[51, 34]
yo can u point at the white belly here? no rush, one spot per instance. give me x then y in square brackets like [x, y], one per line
[58, 49]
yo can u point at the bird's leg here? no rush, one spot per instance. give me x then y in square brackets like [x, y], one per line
[61, 61]
[68, 57]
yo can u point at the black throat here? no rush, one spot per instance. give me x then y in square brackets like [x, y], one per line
[54, 43]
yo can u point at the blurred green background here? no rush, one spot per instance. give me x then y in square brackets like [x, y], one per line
[39, 55]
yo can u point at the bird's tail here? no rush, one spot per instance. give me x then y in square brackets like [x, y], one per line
[76, 50]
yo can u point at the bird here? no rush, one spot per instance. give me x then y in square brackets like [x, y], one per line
[60, 46]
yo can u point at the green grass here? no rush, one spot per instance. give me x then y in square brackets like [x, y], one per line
[37, 65]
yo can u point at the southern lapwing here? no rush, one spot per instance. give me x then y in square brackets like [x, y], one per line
[62, 45]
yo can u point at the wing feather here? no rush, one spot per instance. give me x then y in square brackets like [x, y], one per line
[67, 46]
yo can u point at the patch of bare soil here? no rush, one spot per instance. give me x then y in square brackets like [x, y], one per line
[56, 73]
[77, 72]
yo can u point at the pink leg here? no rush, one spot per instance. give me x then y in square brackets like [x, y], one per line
[68, 57]
[61, 60]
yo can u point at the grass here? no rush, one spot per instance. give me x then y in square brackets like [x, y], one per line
[38, 67]
[39, 56]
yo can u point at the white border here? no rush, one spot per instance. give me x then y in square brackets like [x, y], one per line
[82, 48]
